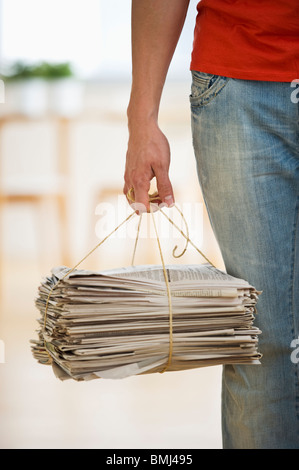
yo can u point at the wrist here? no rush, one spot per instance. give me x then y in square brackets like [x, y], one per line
[141, 116]
[143, 106]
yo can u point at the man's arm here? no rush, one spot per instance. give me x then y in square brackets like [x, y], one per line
[156, 28]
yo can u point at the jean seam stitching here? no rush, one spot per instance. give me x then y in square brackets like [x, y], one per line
[293, 305]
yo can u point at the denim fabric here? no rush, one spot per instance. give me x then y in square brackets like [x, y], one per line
[246, 142]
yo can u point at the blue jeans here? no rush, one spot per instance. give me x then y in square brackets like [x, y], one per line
[246, 142]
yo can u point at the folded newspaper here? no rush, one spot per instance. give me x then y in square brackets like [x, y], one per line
[114, 324]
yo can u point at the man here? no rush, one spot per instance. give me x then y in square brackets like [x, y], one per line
[246, 140]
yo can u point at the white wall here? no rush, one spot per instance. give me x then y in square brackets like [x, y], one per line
[93, 34]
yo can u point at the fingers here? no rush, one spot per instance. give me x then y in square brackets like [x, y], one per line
[165, 190]
[141, 201]
[136, 191]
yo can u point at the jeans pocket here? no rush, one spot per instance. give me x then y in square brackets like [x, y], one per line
[205, 87]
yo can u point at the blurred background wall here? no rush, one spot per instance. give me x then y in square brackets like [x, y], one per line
[66, 68]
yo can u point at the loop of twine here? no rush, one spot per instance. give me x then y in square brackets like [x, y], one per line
[153, 198]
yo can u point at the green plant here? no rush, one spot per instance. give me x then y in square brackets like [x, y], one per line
[54, 71]
[44, 70]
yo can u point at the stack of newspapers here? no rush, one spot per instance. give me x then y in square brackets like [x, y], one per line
[119, 323]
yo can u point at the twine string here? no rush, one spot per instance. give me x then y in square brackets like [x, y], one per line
[187, 238]
[169, 299]
[153, 199]
[136, 240]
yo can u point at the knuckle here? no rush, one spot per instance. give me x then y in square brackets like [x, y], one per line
[139, 181]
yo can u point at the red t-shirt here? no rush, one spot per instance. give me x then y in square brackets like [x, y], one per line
[247, 39]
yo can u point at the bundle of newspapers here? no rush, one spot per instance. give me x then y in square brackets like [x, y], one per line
[116, 323]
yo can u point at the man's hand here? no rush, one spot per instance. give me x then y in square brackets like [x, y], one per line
[156, 28]
[148, 156]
